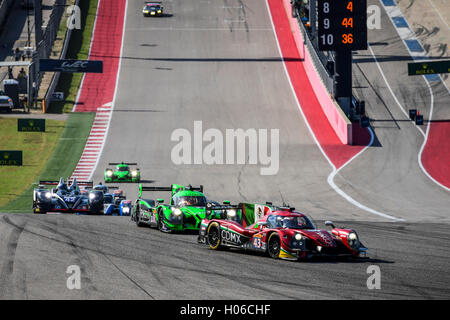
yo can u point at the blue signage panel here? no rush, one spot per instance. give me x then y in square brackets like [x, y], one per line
[54, 65]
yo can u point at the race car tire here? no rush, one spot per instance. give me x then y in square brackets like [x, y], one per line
[274, 246]
[161, 226]
[213, 235]
[138, 218]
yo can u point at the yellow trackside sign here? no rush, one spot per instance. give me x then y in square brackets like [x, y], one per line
[430, 67]
[10, 157]
[31, 125]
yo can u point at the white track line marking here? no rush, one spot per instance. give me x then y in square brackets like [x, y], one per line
[419, 155]
[414, 55]
[330, 179]
[89, 54]
[440, 16]
[85, 151]
[392, 91]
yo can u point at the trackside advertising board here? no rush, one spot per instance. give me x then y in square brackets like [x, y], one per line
[31, 125]
[431, 67]
[10, 158]
[55, 65]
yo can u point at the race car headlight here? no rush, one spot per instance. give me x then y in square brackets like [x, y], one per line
[134, 173]
[48, 195]
[126, 210]
[353, 240]
[298, 236]
[159, 11]
[231, 213]
[109, 173]
[177, 212]
[92, 196]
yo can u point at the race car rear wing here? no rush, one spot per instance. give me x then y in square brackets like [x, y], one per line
[109, 187]
[174, 188]
[55, 183]
[211, 209]
[246, 213]
[127, 163]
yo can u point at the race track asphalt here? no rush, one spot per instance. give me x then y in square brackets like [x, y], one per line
[118, 260]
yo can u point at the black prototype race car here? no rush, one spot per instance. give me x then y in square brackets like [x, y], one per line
[67, 199]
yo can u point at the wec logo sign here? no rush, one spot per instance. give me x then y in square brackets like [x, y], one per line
[58, 65]
[74, 65]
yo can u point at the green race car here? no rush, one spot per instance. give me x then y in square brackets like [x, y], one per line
[123, 173]
[185, 210]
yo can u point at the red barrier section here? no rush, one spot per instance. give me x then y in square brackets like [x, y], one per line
[338, 121]
[98, 88]
[436, 154]
[304, 80]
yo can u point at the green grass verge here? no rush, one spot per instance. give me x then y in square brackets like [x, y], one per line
[79, 45]
[36, 147]
[61, 163]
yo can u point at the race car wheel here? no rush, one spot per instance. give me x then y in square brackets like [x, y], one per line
[161, 225]
[213, 235]
[138, 218]
[274, 246]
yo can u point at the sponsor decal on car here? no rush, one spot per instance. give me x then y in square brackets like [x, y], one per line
[231, 236]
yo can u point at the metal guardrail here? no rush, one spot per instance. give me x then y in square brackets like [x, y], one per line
[56, 75]
[319, 59]
[48, 38]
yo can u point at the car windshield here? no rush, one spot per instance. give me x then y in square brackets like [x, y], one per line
[108, 198]
[152, 7]
[291, 222]
[196, 201]
[101, 188]
[123, 168]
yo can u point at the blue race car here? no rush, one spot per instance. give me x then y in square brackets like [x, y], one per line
[116, 204]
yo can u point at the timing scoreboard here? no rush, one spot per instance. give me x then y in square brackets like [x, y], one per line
[342, 25]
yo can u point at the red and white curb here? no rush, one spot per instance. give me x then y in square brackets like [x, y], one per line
[94, 144]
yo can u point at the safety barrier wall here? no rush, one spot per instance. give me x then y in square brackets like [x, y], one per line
[56, 75]
[5, 6]
[337, 118]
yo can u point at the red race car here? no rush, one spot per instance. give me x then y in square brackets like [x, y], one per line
[282, 233]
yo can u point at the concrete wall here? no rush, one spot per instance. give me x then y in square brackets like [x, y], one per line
[338, 120]
[5, 6]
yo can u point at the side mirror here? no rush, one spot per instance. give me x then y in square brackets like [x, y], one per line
[226, 202]
[261, 225]
[330, 224]
[160, 200]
